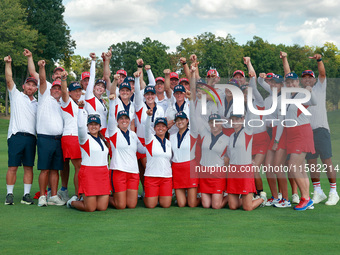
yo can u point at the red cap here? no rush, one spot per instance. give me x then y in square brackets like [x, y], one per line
[121, 71]
[183, 79]
[240, 72]
[174, 75]
[58, 68]
[210, 72]
[85, 75]
[56, 82]
[32, 79]
[159, 79]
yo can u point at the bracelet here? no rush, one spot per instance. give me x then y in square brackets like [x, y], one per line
[319, 60]
[184, 63]
[276, 141]
[140, 66]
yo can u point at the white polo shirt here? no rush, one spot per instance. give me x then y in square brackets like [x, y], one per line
[93, 153]
[240, 147]
[49, 114]
[171, 112]
[181, 146]
[158, 157]
[70, 116]
[23, 113]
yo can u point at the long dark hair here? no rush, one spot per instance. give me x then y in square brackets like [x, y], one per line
[107, 144]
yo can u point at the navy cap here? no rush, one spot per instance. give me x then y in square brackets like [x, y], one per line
[149, 89]
[125, 84]
[161, 121]
[122, 113]
[93, 118]
[179, 88]
[277, 78]
[236, 115]
[233, 82]
[181, 114]
[73, 86]
[292, 76]
[201, 81]
[214, 116]
[129, 78]
[308, 72]
[101, 81]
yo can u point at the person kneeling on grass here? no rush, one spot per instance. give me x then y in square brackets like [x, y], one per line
[94, 182]
[240, 180]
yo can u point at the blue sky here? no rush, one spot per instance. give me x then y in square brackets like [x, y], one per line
[97, 24]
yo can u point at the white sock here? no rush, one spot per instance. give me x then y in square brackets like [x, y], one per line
[27, 188]
[10, 189]
[333, 188]
[317, 187]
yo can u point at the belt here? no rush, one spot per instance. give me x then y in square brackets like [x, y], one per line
[24, 134]
[55, 137]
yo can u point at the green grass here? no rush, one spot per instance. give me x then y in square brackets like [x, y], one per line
[58, 230]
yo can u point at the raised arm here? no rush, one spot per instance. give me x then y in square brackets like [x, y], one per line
[250, 67]
[286, 68]
[64, 90]
[167, 83]
[42, 76]
[185, 67]
[112, 122]
[89, 91]
[138, 94]
[195, 63]
[257, 96]
[114, 84]
[82, 119]
[193, 84]
[140, 64]
[106, 71]
[321, 67]
[8, 72]
[263, 83]
[30, 64]
[148, 131]
[151, 78]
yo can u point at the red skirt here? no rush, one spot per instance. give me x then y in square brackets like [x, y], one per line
[182, 173]
[94, 180]
[70, 146]
[300, 139]
[261, 142]
[212, 185]
[241, 181]
[282, 142]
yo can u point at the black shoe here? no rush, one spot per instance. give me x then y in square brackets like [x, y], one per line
[27, 200]
[9, 199]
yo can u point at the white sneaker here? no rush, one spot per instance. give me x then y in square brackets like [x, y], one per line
[333, 198]
[318, 197]
[42, 201]
[283, 204]
[199, 195]
[279, 196]
[295, 199]
[271, 201]
[69, 205]
[263, 195]
[63, 195]
[55, 200]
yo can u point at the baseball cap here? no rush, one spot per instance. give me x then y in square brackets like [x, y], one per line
[179, 88]
[149, 89]
[310, 72]
[93, 118]
[159, 79]
[277, 78]
[73, 86]
[181, 114]
[85, 75]
[125, 84]
[100, 81]
[240, 72]
[214, 116]
[232, 114]
[122, 113]
[129, 78]
[121, 71]
[269, 76]
[58, 68]
[292, 76]
[57, 82]
[174, 75]
[32, 79]
[201, 81]
[161, 121]
[210, 72]
[233, 82]
[183, 79]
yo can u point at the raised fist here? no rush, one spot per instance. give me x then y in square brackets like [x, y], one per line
[41, 63]
[246, 60]
[140, 62]
[116, 76]
[283, 54]
[8, 59]
[167, 71]
[263, 75]
[147, 67]
[93, 56]
[112, 97]
[64, 75]
[27, 53]
[252, 74]
[188, 94]
[193, 58]
[183, 60]
[136, 74]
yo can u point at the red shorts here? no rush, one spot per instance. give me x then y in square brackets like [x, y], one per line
[181, 173]
[157, 186]
[300, 139]
[228, 131]
[140, 155]
[212, 185]
[282, 142]
[239, 182]
[94, 180]
[122, 181]
[70, 146]
[261, 142]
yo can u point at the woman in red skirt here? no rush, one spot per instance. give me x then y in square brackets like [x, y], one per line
[94, 183]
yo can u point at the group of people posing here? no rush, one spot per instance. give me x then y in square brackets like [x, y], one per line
[157, 135]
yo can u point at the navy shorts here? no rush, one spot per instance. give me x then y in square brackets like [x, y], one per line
[21, 149]
[50, 154]
[322, 144]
